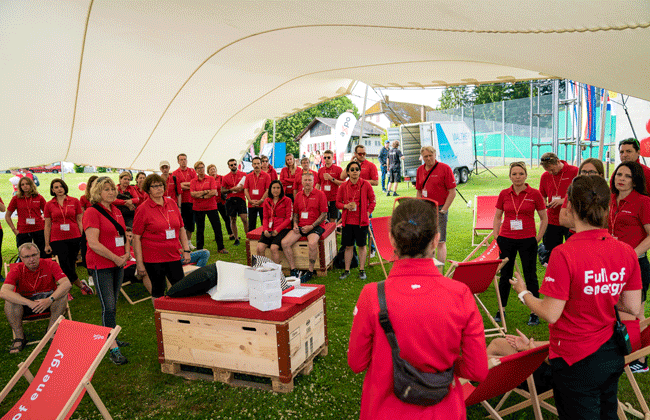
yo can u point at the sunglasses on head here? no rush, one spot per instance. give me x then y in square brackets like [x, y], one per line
[629, 141]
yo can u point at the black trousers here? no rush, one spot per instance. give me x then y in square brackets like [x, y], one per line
[199, 220]
[160, 272]
[37, 237]
[221, 207]
[555, 235]
[527, 249]
[67, 251]
[253, 213]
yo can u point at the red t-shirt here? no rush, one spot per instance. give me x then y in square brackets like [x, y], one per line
[29, 210]
[297, 183]
[278, 213]
[368, 171]
[309, 208]
[85, 203]
[132, 190]
[328, 187]
[551, 186]
[29, 283]
[231, 180]
[107, 236]
[362, 194]
[273, 174]
[439, 183]
[219, 180]
[184, 176]
[62, 216]
[589, 271]
[627, 218]
[152, 222]
[257, 185]
[143, 195]
[206, 184]
[171, 191]
[519, 207]
[288, 179]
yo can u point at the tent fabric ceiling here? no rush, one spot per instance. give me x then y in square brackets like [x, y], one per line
[125, 83]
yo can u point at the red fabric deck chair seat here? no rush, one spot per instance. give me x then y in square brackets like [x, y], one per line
[483, 215]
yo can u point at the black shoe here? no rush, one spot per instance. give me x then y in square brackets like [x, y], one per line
[294, 273]
[497, 317]
[116, 357]
[236, 241]
[533, 320]
[639, 367]
[231, 237]
[395, 194]
[307, 276]
[122, 343]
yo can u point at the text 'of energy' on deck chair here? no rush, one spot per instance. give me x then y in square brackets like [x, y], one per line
[478, 274]
[380, 228]
[483, 217]
[64, 376]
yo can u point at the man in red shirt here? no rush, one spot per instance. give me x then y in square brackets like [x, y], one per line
[329, 179]
[233, 185]
[33, 287]
[628, 151]
[266, 167]
[553, 185]
[304, 167]
[309, 211]
[256, 189]
[184, 175]
[172, 190]
[435, 180]
[368, 169]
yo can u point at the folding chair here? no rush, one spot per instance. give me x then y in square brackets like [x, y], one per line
[642, 349]
[506, 376]
[483, 217]
[128, 283]
[64, 376]
[43, 316]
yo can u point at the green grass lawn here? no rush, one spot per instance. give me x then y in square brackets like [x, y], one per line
[140, 390]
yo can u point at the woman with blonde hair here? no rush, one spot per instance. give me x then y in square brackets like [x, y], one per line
[127, 198]
[29, 205]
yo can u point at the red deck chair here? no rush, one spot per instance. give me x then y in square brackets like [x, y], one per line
[506, 376]
[71, 360]
[483, 217]
[641, 347]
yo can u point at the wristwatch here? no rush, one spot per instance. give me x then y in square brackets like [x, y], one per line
[52, 299]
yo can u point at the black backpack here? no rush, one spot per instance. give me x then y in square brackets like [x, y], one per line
[339, 260]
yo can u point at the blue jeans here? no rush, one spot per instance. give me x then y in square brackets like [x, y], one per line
[384, 170]
[108, 282]
[200, 257]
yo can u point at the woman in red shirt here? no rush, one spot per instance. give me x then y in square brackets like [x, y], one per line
[63, 226]
[157, 228]
[517, 232]
[108, 252]
[288, 175]
[2, 208]
[139, 184]
[85, 204]
[30, 205]
[586, 278]
[277, 211]
[432, 338]
[127, 198]
[204, 193]
[357, 200]
[221, 203]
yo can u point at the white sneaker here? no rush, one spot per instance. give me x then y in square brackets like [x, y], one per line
[90, 281]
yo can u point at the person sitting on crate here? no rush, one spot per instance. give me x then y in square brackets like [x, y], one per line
[277, 221]
[309, 211]
[33, 286]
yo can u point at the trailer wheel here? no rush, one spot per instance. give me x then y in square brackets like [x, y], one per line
[464, 175]
[457, 176]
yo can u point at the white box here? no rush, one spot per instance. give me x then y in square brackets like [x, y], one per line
[265, 295]
[264, 285]
[262, 276]
[267, 306]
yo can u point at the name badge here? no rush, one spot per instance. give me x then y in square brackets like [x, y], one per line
[425, 193]
[30, 221]
[170, 233]
[270, 224]
[256, 192]
[304, 215]
[119, 241]
[65, 227]
[516, 224]
[557, 197]
[328, 188]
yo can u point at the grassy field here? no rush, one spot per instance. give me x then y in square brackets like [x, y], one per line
[140, 391]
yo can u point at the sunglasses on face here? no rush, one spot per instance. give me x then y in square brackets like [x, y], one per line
[327, 157]
[232, 165]
[361, 154]
[353, 170]
[588, 173]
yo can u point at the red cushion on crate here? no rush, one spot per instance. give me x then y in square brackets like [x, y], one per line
[204, 305]
[257, 233]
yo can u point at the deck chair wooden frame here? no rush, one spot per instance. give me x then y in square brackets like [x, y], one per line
[128, 298]
[84, 384]
[39, 317]
[644, 351]
[483, 216]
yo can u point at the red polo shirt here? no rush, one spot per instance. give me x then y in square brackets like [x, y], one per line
[184, 176]
[288, 179]
[522, 207]
[171, 191]
[328, 187]
[132, 190]
[29, 283]
[589, 272]
[219, 180]
[360, 193]
[556, 186]
[107, 236]
[439, 183]
[206, 184]
[151, 222]
[257, 185]
[231, 180]
[63, 215]
[28, 208]
[368, 171]
[279, 213]
[627, 218]
[297, 183]
[85, 203]
[273, 174]
[309, 207]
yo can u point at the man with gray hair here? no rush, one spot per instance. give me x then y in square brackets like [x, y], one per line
[33, 286]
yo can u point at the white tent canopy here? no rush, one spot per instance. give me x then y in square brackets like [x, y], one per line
[127, 83]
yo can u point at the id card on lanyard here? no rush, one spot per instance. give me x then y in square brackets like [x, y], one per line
[517, 224]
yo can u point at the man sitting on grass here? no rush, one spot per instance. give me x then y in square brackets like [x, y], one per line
[33, 287]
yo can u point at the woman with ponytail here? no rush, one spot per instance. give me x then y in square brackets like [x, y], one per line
[432, 338]
[586, 278]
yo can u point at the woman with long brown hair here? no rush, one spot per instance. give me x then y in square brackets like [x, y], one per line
[29, 205]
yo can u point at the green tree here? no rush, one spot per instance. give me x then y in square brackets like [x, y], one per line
[79, 169]
[288, 128]
[455, 97]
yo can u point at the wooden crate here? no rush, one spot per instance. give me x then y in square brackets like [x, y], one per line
[326, 251]
[277, 350]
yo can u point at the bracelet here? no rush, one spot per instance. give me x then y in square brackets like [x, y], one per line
[522, 294]
[186, 250]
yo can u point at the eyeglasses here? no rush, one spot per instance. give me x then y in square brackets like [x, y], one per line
[353, 170]
[157, 186]
[327, 157]
[361, 154]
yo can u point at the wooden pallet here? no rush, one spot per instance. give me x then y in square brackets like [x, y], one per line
[228, 376]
